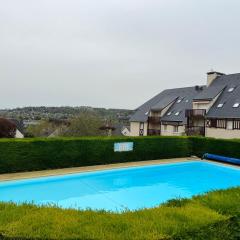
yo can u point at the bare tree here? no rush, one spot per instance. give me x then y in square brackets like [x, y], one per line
[7, 128]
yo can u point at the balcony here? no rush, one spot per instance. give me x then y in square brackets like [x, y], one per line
[154, 120]
[153, 132]
[195, 113]
[195, 131]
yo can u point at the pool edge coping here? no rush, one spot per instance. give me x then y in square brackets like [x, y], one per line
[66, 171]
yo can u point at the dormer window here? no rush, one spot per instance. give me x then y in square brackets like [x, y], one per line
[177, 113]
[169, 113]
[236, 105]
[231, 89]
[220, 105]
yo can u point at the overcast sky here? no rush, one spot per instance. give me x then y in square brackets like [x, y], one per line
[112, 53]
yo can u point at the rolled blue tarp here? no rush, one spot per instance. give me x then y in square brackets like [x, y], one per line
[221, 158]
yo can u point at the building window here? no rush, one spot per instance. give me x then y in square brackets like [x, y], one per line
[177, 113]
[231, 89]
[179, 100]
[217, 123]
[165, 127]
[169, 113]
[236, 105]
[220, 105]
[221, 123]
[236, 124]
[213, 123]
[175, 129]
[146, 113]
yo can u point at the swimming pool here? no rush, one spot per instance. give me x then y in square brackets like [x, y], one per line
[127, 188]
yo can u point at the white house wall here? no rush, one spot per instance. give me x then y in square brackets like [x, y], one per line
[222, 133]
[170, 131]
[135, 127]
[19, 134]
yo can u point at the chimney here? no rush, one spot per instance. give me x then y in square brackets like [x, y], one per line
[211, 76]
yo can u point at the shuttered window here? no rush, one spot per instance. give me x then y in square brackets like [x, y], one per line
[236, 124]
[221, 123]
[217, 123]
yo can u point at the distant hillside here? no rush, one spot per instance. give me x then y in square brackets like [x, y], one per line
[38, 113]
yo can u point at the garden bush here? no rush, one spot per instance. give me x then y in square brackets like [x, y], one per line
[225, 147]
[38, 154]
[17, 155]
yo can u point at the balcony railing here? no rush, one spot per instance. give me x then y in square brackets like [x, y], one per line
[195, 112]
[195, 131]
[153, 132]
[154, 120]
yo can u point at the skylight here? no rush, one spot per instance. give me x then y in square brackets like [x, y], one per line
[236, 105]
[169, 113]
[179, 100]
[187, 100]
[177, 113]
[231, 89]
[146, 113]
[220, 105]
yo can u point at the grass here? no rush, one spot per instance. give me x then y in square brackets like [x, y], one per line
[215, 215]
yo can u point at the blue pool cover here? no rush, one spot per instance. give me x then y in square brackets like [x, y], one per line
[129, 188]
[221, 158]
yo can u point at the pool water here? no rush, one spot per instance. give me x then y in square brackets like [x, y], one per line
[125, 188]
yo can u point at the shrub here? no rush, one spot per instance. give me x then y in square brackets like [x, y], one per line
[225, 147]
[38, 154]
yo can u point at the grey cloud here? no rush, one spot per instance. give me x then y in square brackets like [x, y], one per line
[111, 53]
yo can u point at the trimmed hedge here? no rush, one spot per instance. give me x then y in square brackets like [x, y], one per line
[18, 155]
[39, 154]
[225, 147]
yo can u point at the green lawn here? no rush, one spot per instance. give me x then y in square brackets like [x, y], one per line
[215, 215]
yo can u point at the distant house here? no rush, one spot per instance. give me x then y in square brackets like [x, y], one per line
[126, 131]
[212, 110]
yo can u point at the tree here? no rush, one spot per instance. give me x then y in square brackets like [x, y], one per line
[86, 124]
[43, 129]
[7, 128]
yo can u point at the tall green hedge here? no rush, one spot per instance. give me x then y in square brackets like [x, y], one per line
[228, 148]
[38, 154]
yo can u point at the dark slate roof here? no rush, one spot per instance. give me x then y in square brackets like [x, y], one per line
[228, 98]
[210, 93]
[164, 103]
[163, 99]
[186, 96]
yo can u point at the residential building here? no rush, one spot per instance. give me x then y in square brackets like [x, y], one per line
[212, 110]
[164, 114]
[217, 108]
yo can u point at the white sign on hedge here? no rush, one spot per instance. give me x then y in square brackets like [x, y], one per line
[123, 147]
